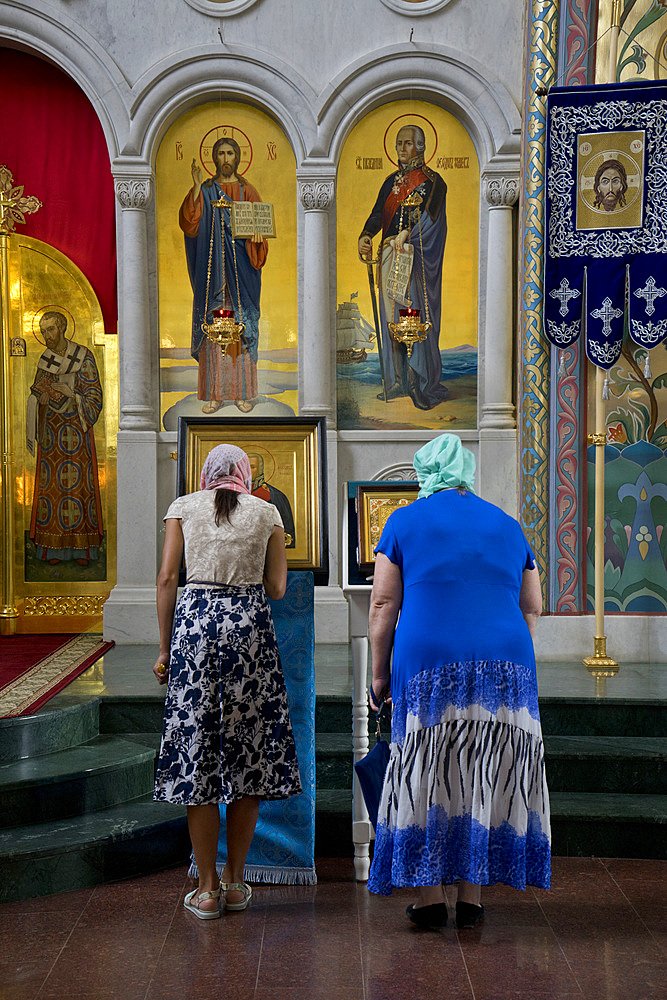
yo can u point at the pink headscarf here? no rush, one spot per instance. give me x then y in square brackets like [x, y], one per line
[226, 467]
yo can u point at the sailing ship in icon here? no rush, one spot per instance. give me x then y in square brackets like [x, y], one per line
[354, 336]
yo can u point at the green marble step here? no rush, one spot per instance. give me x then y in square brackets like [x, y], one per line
[49, 729]
[333, 823]
[603, 717]
[333, 760]
[608, 825]
[133, 713]
[126, 840]
[94, 775]
[560, 716]
[333, 714]
[628, 764]
[574, 763]
[583, 824]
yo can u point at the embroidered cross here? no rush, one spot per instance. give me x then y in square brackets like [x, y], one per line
[564, 293]
[650, 292]
[606, 314]
[69, 440]
[69, 475]
[69, 512]
[50, 361]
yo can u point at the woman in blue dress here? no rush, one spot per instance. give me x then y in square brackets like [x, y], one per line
[465, 797]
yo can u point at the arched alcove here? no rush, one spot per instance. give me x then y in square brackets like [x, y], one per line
[70, 47]
[436, 74]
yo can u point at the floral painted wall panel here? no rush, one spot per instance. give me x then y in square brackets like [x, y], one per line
[635, 485]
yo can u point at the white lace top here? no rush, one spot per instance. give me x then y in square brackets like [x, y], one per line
[233, 552]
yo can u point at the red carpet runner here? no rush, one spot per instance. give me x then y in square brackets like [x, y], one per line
[34, 668]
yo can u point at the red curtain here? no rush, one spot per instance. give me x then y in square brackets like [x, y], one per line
[53, 143]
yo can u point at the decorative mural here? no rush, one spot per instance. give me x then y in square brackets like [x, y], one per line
[64, 381]
[642, 45]
[534, 380]
[635, 571]
[635, 455]
[406, 319]
[226, 232]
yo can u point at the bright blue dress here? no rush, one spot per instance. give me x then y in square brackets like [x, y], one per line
[465, 794]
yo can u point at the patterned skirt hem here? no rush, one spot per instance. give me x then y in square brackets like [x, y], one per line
[460, 848]
[463, 799]
[264, 796]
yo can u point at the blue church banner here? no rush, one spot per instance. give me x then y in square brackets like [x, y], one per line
[606, 217]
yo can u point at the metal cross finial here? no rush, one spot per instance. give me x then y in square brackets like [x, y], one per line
[650, 292]
[13, 204]
[564, 293]
[606, 314]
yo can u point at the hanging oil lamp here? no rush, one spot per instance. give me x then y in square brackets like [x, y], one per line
[409, 329]
[223, 328]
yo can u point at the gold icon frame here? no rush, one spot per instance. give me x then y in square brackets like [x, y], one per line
[297, 446]
[375, 502]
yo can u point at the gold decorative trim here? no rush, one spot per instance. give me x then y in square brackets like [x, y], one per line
[534, 375]
[23, 692]
[64, 605]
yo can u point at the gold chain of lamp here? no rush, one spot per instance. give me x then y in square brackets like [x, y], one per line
[223, 329]
[409, 329]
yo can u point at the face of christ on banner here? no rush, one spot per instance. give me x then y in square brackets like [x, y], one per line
[610, 170]
[611, 183]
[606, 218]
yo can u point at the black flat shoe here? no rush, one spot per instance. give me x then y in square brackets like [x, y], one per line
[433, 917]
[468, 915]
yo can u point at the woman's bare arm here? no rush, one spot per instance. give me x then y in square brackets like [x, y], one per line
[386, 599]
[530, 598]
[275, 565]
[167, 588]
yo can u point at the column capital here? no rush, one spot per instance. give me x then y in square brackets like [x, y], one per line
[316, 194]
[133, 191]
[501, 190]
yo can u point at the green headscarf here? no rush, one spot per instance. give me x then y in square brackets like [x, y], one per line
[444, 463]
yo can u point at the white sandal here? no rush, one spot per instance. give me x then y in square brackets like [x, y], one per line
[194, 908]
[237, 887]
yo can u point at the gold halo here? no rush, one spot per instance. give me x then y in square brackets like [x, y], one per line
[36, 332]
[226, 132]
[411, 119]
[269, 459]
[590, 169]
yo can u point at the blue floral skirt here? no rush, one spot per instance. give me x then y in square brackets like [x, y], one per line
[227, 732]
[465, 793]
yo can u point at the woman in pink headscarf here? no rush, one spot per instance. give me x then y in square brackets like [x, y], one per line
[227, 736]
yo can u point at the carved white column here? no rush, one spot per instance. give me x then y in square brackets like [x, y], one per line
[498, 411]
[137, 410]
[318, 389]
[129, 612]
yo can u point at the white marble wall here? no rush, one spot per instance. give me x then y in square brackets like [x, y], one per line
[318, 68]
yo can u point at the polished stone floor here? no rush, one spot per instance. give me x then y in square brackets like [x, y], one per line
[599, 934]
[127, 670]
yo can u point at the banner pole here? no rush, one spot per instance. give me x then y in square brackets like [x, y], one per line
[600, 665]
